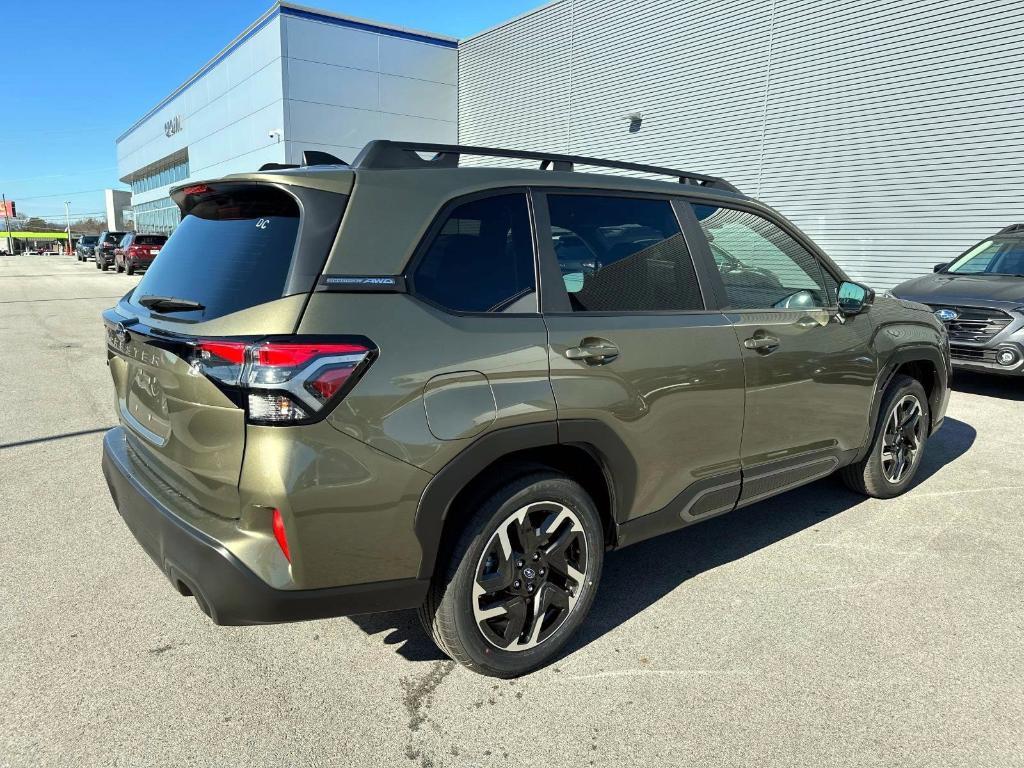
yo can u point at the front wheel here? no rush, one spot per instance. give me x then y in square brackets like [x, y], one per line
[521, 577]
[898, 446]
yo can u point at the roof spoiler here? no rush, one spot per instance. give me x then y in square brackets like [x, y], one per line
[310, 157]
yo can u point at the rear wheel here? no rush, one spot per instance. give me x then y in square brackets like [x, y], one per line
[130, 268]
[117, 266]
[104, 265]
[520, 579]
[898, 445]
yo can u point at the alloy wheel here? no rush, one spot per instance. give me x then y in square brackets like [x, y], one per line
[901, 441]
[530, 576]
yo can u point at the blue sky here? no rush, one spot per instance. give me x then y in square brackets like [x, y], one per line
[76, 74]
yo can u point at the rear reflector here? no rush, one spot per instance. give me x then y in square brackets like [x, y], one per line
[279, 534]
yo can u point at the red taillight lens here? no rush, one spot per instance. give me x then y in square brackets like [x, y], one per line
[196, 189]
[228, 351]
[279, 534]
[285, 381]
[290, 355]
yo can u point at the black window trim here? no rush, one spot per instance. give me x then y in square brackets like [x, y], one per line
[437, 223]
[555, 300]
[708, 259]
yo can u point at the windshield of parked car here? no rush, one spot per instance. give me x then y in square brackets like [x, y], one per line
[90, 240]
[998, 256]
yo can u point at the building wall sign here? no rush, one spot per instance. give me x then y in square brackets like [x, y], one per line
[172, 126]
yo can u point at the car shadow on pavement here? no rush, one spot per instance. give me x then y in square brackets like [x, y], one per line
[992, 385]
[638, 576]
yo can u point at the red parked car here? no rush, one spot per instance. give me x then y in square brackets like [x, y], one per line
[137, 251]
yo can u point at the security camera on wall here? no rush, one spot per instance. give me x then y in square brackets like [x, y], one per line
[276, 133]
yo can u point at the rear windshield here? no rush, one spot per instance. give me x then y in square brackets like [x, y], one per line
[113, 237]
[90, 240]
[149, 240]
[232, 250]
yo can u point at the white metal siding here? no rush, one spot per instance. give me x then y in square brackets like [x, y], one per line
[344, 87]
[889, 130]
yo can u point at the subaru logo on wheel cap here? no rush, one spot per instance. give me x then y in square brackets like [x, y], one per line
[946, 315]
[529, 573]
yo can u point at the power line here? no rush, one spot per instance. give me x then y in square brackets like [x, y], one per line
[59, 175]
[62, 194]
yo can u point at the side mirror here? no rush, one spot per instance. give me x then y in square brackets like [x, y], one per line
[854, 297]
[939, 267]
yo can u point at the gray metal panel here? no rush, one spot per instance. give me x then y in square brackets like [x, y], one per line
[889, 131]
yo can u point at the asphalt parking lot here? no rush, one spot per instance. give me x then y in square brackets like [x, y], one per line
[814, 629]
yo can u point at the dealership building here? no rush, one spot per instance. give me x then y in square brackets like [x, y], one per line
[889, 131]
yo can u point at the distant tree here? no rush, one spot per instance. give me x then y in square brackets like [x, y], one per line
[88, 226]
[35, 224]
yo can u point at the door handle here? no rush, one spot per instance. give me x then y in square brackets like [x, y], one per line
[761, 343]
[593, 351]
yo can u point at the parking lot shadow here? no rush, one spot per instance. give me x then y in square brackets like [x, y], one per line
[1004, 387]
[639, 576]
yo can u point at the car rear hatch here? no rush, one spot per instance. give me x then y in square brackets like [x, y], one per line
[147, 247]
[237, 270]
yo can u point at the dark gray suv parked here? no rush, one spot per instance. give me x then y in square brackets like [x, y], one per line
[980, 298]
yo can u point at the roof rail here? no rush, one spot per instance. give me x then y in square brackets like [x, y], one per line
[393, 155]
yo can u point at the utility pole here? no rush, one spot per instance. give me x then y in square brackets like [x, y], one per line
[7, 225]
[67, 218]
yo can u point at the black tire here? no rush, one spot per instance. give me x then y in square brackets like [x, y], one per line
[104, 266]
[117, 267]
[130, 269]
[875, 475]
[98, 264]
[448, 613]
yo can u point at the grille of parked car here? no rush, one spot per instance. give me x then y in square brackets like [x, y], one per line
[974, 325]
[973, 354]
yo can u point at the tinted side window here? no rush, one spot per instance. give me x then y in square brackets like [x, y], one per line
[482, 258]
[622, 254]
[762, 266]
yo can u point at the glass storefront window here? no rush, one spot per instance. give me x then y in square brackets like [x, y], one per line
[161, 178]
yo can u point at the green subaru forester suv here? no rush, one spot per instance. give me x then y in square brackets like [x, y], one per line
[405, 383]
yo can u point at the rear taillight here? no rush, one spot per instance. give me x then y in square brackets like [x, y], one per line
[284, 382]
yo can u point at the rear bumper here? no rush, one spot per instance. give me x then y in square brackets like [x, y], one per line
[226, 590]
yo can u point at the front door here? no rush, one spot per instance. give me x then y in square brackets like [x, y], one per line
[633, 348]
[810, 372]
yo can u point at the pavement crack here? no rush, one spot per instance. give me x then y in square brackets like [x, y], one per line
[419, 696]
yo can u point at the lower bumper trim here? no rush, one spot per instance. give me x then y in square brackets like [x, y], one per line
[226, 590]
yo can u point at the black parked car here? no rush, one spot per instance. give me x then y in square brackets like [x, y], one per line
[980, 298]
[86, 247]
[104, 250]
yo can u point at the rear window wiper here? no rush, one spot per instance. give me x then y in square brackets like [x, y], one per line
[169, 304]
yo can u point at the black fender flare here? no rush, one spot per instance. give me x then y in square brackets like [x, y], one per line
[595, 437]
[916, 353]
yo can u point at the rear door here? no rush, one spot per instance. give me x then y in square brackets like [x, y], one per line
[240, 266]
[810, 371]
[634, 346]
